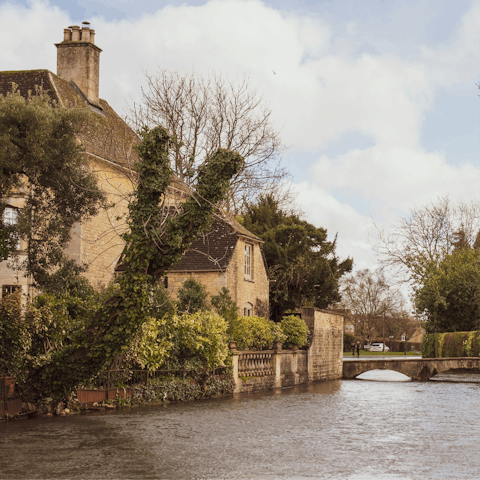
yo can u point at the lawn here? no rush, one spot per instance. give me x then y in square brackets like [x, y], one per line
[367, 353]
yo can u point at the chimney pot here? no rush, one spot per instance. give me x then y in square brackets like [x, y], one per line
[67, 35]
[75, 33]
[92, 36]
[85, 34]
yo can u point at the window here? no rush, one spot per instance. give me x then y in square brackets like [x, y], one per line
[248, 261]
[351, 328]
[10, 217]
[9, 289]
[403, 338]
[165, 282]
[248, 310]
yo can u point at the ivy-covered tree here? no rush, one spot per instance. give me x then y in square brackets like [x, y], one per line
[302, 264]
[41, 158]
[154, 243]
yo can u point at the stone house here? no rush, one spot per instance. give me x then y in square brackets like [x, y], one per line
[108, 149]
[228, 256]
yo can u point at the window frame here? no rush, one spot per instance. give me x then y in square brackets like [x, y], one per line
[248, 261]
[12, 219]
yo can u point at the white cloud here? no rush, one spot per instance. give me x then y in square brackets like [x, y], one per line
[320, 92]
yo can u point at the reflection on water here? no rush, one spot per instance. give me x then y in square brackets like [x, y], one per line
[341, 429]
[460, 376]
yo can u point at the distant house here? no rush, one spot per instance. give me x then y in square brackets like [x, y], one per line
[417, 336]
[230, 256]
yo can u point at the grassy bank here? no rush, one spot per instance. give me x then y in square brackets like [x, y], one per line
[367, 353]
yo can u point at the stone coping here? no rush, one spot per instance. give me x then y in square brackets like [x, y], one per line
[248, 352]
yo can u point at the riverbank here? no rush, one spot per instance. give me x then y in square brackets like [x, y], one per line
[173, 390]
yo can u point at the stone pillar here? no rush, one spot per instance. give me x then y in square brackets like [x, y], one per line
[277, 365]
[236, 379]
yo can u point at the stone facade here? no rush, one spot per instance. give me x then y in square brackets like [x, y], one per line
[322, 360]
[224, 266]
[108, 147]
[97, 242]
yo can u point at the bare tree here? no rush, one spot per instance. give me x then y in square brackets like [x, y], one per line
[427, 235]
[206, 113]
[370, 299]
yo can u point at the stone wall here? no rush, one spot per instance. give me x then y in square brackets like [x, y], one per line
[326, 345]
[100, 244]
[246, 291]
[213, 281]
[255, 371]
[243, 291]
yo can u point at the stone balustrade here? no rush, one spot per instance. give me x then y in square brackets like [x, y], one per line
[321, 360]
[255, 364]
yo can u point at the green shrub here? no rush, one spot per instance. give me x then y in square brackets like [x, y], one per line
[192, 296]
[226, 308]
[295, 330]
[256, 333]
[197, 340]
[14, 338]
[348, 339]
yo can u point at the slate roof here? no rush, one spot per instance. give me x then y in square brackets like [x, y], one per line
[109, 137]
[213, 250]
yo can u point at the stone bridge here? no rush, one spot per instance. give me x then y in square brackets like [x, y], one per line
[420, 369]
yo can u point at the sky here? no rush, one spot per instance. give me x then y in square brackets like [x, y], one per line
[377, 99]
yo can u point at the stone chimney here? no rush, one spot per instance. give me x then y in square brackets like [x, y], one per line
[78, 59]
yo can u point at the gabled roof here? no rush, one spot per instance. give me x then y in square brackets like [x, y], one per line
[110, 138]
[213, 250]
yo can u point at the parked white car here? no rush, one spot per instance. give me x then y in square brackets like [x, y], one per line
[378, 347]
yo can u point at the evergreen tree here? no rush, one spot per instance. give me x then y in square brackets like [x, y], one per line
[303, 267]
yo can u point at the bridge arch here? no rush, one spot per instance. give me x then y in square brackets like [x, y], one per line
[417, 369]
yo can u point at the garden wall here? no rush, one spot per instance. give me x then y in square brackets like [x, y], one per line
[322, 360]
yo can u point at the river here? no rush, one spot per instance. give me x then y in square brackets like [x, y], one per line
[353, 429]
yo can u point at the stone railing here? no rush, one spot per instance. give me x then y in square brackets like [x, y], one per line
[279, 368]
[255, 364]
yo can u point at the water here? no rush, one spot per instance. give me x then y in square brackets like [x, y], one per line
[351, 429]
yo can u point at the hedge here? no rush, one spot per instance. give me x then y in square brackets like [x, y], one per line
[452, 344]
